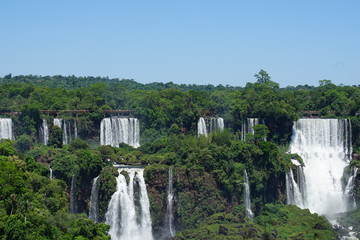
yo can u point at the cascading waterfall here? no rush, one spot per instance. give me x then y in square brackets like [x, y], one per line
[248, 127]
[247, 200]
[169, 217]
[117, 130]
[73, 207]
[69, 129]
[50, 173]
[325, 146]
[128, 212]
[94, 201]
[349, 190]
[6, 129]
[209, 124]
[44, 132]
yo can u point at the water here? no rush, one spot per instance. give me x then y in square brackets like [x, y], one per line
[6, 129]
[117, 130]
[51, 173]
[349, 190]
[207, 125]
[325, 146]
[44, 132]
[248, 127]
[73, 207]
[169, 217]
[69, 128]
[247, 200]
[128, 212]
[94, 201]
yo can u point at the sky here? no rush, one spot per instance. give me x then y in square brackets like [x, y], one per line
[189, 41]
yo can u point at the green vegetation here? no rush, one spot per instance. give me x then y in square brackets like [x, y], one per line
[208, 171]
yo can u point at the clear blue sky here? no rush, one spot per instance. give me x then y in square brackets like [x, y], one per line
[187, 41]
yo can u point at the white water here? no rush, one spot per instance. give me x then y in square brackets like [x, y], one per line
[207, 125]
[44, 132]
[117, 130]
[324, 145]
[248, 127]
[128, 212]
[247, 200]
[72, 196]
[169, 217]
[6, 129]
[94, 201]
[69, 129]
[51, 173]
[349, 193]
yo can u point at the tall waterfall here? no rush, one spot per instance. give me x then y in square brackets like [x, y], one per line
[117, 130]
[325, 146]
[207, 125]
[73, 205]
[50, 173]
[169, 217]
[44, 132]
[248, 126]
[69, 128]
[247, 200]
[94, 201]
[6, 129]
[128, 212]
[349, 190]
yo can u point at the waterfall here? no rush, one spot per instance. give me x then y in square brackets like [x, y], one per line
[349, 190]
[169, 217]
[117, 130]
[325, 146]
[207, 125]
[248, 127]
[94, 201]
[69, 129]
[6, 129]
[247, 200]
[44, 132]
[128, 213]
[51, 173]
[73, 206]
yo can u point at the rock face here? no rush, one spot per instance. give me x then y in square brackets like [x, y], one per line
[195, 193]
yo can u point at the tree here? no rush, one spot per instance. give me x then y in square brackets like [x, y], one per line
[264, 78]
[56, 137]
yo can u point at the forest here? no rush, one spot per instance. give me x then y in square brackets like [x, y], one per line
[208, 170]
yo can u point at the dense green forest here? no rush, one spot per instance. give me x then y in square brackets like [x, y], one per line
[209, 169]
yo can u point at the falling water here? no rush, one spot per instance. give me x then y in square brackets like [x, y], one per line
[248, 126]
[293, 193]
[247, 200]
[51, 173]
[117, 130]
[94, 201]
[72, 196]
[324, 146]
[349, 190]
[6, 129]
[128, 212]
[44, 132]
[169, 218]
[69, 129]
[209, 124]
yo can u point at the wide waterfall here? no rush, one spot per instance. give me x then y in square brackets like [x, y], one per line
[209, 124]
[169, 217]
[325, 146]
[6, 129]
[117, 130]
[94, 201]
[128, 212]
[247, 200]
[69, 129]
[44, 132]
[248, 127]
